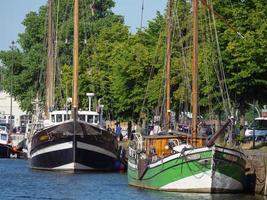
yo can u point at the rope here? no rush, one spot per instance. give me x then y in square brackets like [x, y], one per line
[142, 13]
[155, 62]
[222, 83]
[185, 66]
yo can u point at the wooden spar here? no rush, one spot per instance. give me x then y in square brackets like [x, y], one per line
[75, 74]
[75, 58]
[50, 69]
[195, 73]
[168, 65]
[216, 135]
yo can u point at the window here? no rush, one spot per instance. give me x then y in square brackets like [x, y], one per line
[259, 124]
[53, 118]
[96, 119]
[82, 117]
[89, 118]
[4, 137]
[66, 117]
[59, 118]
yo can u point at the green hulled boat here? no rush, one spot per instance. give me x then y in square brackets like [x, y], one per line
[183, 168]
[173, 161]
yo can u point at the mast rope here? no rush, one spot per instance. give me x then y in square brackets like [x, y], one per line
[210, 8]
[221, 74]
[186, 83]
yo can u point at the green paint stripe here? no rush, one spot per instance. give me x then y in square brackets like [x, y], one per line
[168, 172]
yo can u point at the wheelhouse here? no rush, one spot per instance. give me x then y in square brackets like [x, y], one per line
[63, 115]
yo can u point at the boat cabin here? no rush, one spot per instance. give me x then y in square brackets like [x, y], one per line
[60, 116]
[164, 145]
[3, 135]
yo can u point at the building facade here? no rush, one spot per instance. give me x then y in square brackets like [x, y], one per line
[5, 108]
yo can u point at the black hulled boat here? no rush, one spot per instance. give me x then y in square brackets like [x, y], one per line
[74, 145]
[72, 140]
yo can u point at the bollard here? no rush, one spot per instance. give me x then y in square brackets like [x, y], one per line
[265, 188]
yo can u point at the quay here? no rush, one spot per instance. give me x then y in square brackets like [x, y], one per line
[256, 170]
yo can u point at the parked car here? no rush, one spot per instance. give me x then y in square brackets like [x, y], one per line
[259, 125]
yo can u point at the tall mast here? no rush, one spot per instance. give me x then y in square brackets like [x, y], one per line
[50, 70]
[168, 64]
[195, 72]
[75, 58]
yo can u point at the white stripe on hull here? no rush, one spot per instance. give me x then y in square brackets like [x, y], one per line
[134, 166]
[229, 151]
[72, 166]
[94, 148]
[198, 150]
[69, 145]
[205, 181]
[56, 147]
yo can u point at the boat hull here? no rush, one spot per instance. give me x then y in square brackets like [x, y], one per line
[87, 147]
[212, 170]
[5, 151]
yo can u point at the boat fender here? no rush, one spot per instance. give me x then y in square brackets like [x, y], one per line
[152, 150]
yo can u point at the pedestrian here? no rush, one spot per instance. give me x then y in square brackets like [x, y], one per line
[109, 129]
[118, 131]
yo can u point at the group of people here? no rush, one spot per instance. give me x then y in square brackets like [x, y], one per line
[117, 131]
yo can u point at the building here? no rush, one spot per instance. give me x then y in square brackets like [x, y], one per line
[5, 108]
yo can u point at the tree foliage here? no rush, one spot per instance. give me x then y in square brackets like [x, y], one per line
[126, 70]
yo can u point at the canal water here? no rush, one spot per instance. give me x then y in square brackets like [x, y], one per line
[19, 182]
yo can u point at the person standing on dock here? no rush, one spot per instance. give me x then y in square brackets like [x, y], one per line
[118, 131]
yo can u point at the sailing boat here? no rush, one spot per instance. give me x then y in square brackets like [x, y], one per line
[173, 161]
[74, 140]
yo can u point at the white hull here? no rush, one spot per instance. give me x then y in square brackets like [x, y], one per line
[205, 182]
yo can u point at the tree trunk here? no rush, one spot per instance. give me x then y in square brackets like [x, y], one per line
[218, 126]
[242, 122]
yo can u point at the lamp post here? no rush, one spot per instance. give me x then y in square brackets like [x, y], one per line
[253, 144]
[90, 95]
[11, 87]
[101, 107]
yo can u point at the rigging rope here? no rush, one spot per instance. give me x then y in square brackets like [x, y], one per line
[142, 14]
[222, 79]
[185, 66]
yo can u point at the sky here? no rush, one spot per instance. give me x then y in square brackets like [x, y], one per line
[12, 13]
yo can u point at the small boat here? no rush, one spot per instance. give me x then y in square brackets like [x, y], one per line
[18, 144]
[5, 148]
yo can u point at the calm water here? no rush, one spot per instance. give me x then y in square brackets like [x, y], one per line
[19, 182]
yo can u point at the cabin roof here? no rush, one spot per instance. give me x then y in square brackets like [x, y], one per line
[82, 112]
[261, 118]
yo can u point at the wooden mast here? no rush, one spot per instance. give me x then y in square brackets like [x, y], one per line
[75, 59]
[168, 65]
[50, 70]
[195, 73]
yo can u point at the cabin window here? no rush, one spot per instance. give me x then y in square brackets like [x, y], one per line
[82, 117]
[66, 117]
[2, 128]
[59, 118]
[96, 119]
[53, 118]
[89, 118]
[3, 137]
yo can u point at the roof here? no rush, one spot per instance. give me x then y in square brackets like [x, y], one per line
[80, 112]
